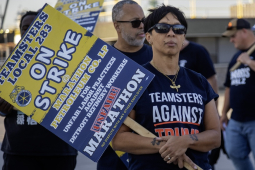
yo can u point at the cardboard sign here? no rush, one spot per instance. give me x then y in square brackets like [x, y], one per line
[71, 82]
[83, 12]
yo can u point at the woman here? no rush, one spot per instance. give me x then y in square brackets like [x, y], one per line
[178, 105]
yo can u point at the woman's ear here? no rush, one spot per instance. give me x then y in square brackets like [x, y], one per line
[149, 38]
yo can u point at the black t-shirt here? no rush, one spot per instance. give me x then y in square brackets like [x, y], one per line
[164, 111]
[242, 90]
[24, 136]
[109, 160]
[197, 58]
[143, 56]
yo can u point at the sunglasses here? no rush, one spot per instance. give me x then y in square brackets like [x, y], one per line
[165, 28]
[135, 23]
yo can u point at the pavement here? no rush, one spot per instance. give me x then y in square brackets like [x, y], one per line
[84, 163]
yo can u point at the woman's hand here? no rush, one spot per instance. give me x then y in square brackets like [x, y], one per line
[174, 151]
[175, 147]
[184, 158]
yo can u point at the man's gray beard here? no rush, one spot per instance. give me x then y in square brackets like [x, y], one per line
[132, 41]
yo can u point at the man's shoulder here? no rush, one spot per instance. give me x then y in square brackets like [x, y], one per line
[198, 48]
[234, 58]
[147, 65]
[195, 45]
[237, 54]
[191, 72]
[147, 46]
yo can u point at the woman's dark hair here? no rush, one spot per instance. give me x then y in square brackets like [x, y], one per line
[26, 14]
[158, 13]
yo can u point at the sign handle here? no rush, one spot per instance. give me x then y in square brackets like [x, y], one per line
[144, 132]
[238, 63]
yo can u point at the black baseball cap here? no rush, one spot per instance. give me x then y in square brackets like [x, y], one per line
[234, 25]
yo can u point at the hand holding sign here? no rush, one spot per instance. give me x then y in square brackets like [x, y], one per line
[144, 132]
[238, 63]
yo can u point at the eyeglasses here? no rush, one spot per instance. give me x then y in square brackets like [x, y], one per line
[135, 23]
[165, 28]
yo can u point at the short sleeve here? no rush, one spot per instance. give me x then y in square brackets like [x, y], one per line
[227, 81]
[210, 94]
[232, 62]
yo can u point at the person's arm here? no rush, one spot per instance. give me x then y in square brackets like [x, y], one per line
[204, 141]
[130, 142]
[225, 109]
[213, 82]
[245, 59]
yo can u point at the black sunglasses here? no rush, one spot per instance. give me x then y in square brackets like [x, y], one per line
[165, 28]
[135, 23]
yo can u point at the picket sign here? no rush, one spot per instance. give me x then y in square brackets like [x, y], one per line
[85, 13]
[71, 82]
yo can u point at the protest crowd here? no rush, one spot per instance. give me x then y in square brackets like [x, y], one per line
[179, 106]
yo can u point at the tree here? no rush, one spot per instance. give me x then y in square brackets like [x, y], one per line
[153, 3]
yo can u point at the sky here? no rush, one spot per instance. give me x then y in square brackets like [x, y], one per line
[204, 8]
[16, 6]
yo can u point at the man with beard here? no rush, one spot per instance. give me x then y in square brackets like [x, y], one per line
[239, 96]
[127, 17]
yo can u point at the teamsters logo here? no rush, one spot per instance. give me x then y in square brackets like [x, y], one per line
[21, 96]
[59, 8]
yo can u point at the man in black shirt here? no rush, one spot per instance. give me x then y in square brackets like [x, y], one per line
[127, 18]
[195, 57]
[239, 96]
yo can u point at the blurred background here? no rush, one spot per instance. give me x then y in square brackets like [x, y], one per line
[207, 19]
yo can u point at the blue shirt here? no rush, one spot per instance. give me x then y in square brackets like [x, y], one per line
[197, 58]
[242, 90]
[164, 111]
